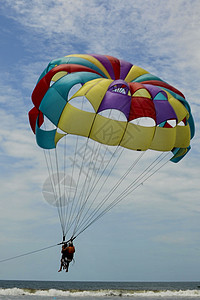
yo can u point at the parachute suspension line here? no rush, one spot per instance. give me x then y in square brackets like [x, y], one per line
[64, 192]
[79, 176]
[120, 198]
[50, 171]
[66, 197]
[52, 179]
[27, 253]
[69, 217]
[125, 193]
[96, 179]
[81, 207]
[95, 176]
[68, 208]
[128, 191]
[100, 145]
[81, 202]
[102, 161]
[91, 188]
[85, 217]
[86, 186]
[95, 169]
[59, 202]
[144, 176]
[69, 211]
[72, 174]
[109, 194]
[136, 183]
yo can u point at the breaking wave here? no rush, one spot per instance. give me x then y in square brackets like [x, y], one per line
[98, 293]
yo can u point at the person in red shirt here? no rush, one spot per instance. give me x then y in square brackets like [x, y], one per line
[67, 256]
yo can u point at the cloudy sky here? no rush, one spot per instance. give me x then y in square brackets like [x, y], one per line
[156, 236]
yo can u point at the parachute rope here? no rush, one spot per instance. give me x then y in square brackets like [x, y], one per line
[66, 197]
[69, 212]
[88, 183]
[35, 251]
[98, 208]
[144, 176]
[81, 201]
[59, 202]
[52, 182]
[74, 208]
[100, 188]
[77, 203]
[79, 215]
[89, 191]
[134, 185]
[28, 253]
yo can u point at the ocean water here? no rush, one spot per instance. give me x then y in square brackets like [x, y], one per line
[32, 290]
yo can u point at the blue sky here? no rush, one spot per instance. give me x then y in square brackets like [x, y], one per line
[153, 236]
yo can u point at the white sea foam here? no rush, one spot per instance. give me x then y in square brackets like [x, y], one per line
[98, 293]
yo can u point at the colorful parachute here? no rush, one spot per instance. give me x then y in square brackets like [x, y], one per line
[115, 106]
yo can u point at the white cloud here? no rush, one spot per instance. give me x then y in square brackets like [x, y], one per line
[116, 26]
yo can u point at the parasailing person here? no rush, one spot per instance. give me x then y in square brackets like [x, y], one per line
[67, 251]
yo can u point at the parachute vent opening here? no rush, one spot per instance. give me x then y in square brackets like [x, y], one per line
[113, 114]
[172, 123]
[82, 103]
[168, 124]
[120, 89]
[47, 124]
[74, 90]
[61, 131]
[182, 123]
[144, 121]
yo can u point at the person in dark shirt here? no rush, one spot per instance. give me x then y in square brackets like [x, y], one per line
[67, 256]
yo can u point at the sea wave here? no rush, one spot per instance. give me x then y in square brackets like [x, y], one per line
[99, 293]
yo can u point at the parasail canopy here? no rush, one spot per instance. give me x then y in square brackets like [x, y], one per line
[93, 108]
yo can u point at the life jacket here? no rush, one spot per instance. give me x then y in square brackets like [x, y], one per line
[71, 249]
